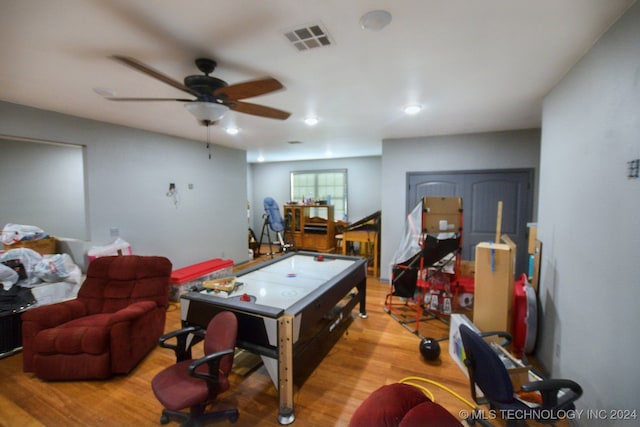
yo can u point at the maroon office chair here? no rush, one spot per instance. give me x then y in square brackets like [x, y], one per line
[193, 384]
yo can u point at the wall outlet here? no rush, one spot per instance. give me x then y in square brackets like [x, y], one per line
[634, 169]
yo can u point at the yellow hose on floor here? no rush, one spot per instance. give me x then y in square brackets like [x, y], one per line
[421, 387]
[429, 394]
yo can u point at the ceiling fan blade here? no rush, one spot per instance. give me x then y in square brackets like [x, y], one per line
[134, 63]
[148, 99]
[249, 89]
[259, 110]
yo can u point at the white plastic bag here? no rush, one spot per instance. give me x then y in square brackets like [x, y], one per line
[8, 277]
[117, 247]
[12, 233]
[28, 257]
[56, 268]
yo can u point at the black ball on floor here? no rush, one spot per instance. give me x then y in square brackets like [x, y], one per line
[430, 348]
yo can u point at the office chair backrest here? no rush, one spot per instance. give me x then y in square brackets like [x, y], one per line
[485, 367]
[221, 335]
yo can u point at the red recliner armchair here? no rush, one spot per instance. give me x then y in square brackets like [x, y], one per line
[108, 329]
[401, 405]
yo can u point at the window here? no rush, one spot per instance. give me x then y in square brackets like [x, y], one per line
[329, 185]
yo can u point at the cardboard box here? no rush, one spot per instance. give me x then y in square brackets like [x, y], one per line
[533, 237]
[46, 246]
[519, 376]
[467, 268]
[518, 372]
[493, 293]
[456, 349]
[437, 209]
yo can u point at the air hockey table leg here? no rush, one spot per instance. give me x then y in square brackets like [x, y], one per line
[362, 294]
[285, 369]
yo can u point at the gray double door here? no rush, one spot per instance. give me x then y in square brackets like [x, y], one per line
[481, 191]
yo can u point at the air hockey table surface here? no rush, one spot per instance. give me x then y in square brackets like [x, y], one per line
[291, 310]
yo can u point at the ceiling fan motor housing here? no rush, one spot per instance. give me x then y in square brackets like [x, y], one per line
[204, 85]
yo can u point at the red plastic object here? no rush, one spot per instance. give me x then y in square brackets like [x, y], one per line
[191, 272]
[519, 322]
[467, 284]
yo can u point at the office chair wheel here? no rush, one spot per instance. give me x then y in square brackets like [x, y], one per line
[164, 419]
[233, 418]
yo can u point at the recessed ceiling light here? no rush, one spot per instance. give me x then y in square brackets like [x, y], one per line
[232, 130]
[412, 109]
[311, 121]
[375, 20]
[260, 158]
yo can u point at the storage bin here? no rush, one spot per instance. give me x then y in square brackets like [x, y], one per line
[46, 246]
[185, 278]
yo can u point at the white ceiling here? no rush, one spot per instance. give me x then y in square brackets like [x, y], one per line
[474, 65]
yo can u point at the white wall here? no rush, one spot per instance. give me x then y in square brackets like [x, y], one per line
[43, 177]
[272, 179]
[588, 223]
[127, 174]
[494, 150]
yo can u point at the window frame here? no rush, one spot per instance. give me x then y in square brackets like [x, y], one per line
[340, 213]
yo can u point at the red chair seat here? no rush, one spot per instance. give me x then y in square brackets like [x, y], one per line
[176, 389]
[88, 334]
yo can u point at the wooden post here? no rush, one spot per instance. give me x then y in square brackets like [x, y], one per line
[499, 222]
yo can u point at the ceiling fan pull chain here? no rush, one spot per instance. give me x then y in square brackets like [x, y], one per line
[208, 143]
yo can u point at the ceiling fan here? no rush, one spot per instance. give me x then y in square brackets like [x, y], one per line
[213, 97]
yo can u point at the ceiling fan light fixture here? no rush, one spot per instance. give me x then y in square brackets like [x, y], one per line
[311, 121]
[206, 111]
[412, 109]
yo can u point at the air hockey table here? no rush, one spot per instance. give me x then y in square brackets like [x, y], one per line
[291, 310]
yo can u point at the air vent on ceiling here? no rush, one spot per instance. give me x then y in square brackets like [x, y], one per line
[308, 37]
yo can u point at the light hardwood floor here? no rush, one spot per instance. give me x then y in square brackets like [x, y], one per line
[373, 352]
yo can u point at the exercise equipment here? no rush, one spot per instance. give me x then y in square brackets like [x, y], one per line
[273, 220]
[426, 266]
